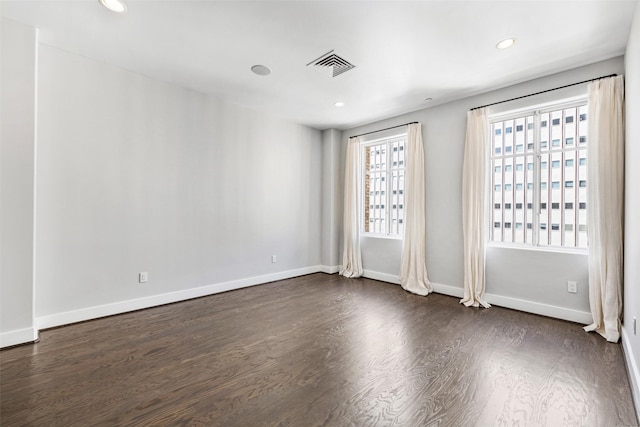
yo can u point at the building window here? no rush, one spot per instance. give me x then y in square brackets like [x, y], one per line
[383, 165]
[554, 164]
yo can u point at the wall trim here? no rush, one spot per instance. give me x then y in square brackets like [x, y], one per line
[632, 370]
[59, 319]
[330, 269]
[19, 336]
[548, 310]
[89, 313]
[383, 277]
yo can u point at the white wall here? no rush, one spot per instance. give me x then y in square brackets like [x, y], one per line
[138, 175]
[523, 279]
[17, 156]
[332, 178]
[631, 340]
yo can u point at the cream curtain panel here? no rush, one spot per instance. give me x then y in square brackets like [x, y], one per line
[413, 269]
[605, 198]
[474, 207]
[351, 256]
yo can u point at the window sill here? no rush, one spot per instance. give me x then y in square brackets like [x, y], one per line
[380, 236]
[559, 250]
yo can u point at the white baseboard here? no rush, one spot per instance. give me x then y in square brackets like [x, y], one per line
[577, 316]
[330, 269]
[563, 313]
[632, 370]
[452, 291]
[19, 336]
[383, 277]
[65, 318]
[95, 312]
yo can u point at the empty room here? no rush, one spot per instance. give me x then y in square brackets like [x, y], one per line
[319, 213]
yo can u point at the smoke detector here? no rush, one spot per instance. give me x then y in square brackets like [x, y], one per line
[332, 63]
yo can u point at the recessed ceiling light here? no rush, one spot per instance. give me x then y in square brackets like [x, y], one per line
[261, 70]
[506, 43]
[339, 104]
[114, 5]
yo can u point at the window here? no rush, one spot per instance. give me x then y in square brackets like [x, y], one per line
[551, 189]
[383, 165]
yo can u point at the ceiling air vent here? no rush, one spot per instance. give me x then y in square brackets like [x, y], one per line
[333, 63]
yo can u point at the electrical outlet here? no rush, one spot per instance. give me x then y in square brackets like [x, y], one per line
[274, 259]
[143, 277]
[572, 287]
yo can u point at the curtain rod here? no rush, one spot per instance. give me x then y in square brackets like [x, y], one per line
[382, 130]
[544, 91]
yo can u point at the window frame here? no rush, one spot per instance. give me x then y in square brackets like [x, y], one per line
[536, 111]
[388, 141]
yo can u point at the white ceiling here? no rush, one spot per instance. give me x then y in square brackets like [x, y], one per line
[404, 51]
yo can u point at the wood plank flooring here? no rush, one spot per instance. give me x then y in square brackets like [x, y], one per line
[317, 350]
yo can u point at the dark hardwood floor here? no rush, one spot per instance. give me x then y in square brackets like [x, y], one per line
[317, 350]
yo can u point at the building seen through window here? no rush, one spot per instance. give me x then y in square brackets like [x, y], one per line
[544, 194]
[383, 166]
